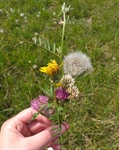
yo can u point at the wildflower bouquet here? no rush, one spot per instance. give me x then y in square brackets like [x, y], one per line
[62, 79]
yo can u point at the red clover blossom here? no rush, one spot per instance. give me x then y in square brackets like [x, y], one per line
[61, 93]
[36, 103]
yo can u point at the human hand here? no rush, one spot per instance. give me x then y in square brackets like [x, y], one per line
[21, 133]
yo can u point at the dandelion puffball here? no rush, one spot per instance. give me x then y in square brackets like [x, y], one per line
[76, 63]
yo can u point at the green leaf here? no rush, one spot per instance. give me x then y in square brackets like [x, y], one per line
[60, 109]
[45, 91]
[54, 47]
[35, 116]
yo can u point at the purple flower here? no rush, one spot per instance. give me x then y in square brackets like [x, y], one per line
[61, 94]
[36, 103]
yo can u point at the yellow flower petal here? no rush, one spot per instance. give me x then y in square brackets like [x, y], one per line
[51, 68]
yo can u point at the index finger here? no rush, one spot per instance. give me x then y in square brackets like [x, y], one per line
[26, 115]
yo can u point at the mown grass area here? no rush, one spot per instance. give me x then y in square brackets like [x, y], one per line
[93, 29]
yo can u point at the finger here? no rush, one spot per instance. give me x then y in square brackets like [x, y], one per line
[26, 115]
[54, 145]
[36, 127]
[47, 136]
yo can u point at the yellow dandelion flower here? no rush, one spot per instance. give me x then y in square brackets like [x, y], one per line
[46, 70]
[53, 65]
[51, 68]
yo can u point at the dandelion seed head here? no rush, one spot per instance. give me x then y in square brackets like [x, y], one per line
[76, 63]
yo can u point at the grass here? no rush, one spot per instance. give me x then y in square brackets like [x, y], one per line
[93, 29]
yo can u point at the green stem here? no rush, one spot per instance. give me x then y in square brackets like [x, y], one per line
[59, 115]
[63, 31]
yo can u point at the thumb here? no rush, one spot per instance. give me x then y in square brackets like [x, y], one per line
[49, 135]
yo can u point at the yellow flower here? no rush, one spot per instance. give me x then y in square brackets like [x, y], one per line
[59, 84]
[51, 68]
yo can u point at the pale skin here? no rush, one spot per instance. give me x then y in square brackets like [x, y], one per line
[20, 133]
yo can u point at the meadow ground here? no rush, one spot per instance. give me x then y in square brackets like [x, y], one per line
[94, 29]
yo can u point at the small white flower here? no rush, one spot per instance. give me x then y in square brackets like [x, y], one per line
[34, 66]
[25, 17]
[1, 31]
[76, 63]
[12, 10]
[54, 13]
[25, 20]
[50, 148]
[22, 14]
[67, 81]
[1, 11]
[17, 27]
[17, 20]
[38, 15]
[113, 58]
[35, 33]
[34, 39]
[74, 92]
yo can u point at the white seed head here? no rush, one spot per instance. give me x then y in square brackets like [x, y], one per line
[76, 63]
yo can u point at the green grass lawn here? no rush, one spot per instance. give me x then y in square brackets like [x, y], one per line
[94, 29]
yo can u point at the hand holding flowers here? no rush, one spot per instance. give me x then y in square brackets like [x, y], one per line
[63, 80]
